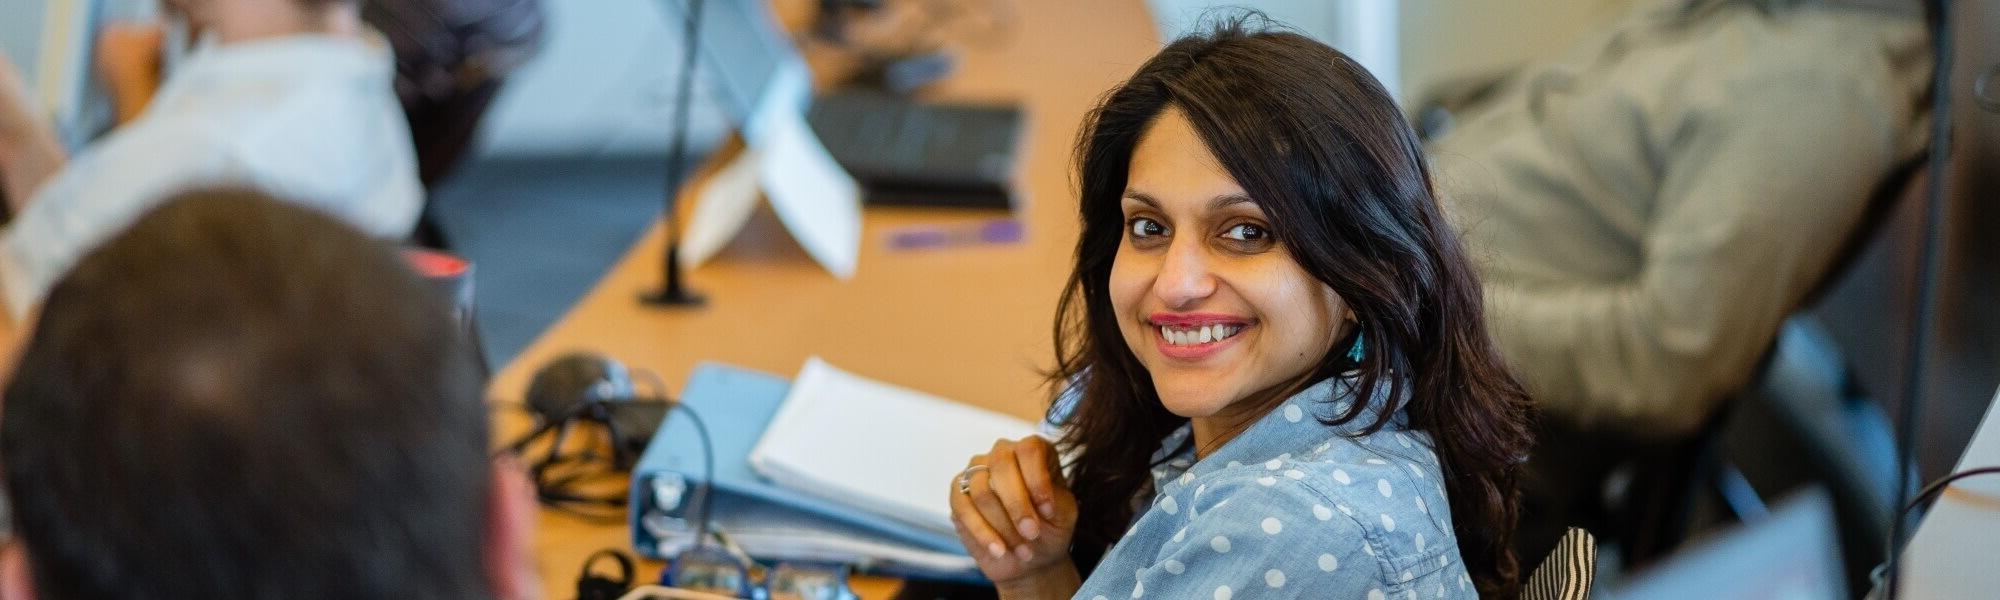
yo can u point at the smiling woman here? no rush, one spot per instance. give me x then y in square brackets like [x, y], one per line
[1274, 373]
[1199, 255]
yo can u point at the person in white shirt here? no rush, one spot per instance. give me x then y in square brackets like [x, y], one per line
[288, 96]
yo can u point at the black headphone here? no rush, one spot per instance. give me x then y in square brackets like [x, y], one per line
[573, 380]
[586, 388]
[593, 586]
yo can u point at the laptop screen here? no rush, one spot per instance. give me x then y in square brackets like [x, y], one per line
[1794, 554]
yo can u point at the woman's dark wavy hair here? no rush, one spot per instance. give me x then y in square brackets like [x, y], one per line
[1324, 151]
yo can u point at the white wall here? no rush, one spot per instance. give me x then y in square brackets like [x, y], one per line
[1364, 29]
[603, 83]
[604, 80]
[1412, 44]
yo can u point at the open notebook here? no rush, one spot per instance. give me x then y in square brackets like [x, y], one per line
[875, 446]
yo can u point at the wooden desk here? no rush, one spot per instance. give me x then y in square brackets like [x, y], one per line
[969, 324]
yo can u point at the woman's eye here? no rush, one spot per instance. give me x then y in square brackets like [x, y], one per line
[1143, 227]
[1247, 232]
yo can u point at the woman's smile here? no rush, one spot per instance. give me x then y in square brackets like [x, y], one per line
[1208, 299]
[1195, 336]
[1234, 193]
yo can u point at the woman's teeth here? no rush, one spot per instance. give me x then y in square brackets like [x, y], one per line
[1185, 336]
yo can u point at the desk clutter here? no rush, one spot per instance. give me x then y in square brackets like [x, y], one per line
[832, 468]
[749, 476]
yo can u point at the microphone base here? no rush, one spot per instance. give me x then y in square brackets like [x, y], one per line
[673, 297]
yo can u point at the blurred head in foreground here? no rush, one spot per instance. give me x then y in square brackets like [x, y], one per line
[242, 398]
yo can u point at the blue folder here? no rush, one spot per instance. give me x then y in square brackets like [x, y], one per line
[737, 404]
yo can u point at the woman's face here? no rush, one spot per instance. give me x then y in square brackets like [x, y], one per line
[1206, 297]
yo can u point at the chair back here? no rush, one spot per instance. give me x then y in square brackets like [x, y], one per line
[1568, 573]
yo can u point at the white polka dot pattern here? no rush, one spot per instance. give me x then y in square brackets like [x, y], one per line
[1290, 507]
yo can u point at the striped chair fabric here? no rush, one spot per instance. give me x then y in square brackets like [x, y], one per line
[1568, 571]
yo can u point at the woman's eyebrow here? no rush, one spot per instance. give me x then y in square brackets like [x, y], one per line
[1142, 198]
[1216, 203]
[1225, 201]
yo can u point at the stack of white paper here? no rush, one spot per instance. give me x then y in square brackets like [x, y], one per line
[774, 539]
[875, 446]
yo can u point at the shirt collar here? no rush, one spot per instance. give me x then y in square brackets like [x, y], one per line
[1291, 427]
[285, 58]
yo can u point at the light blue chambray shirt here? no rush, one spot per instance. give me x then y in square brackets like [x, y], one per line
[1292, 508]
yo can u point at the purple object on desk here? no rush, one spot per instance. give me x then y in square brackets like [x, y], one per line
[997, 231]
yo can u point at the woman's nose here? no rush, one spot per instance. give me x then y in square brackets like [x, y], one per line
[1184, 278]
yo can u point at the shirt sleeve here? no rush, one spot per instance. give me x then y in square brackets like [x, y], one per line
[1264, 541]
[1759, 192]
[96, 195]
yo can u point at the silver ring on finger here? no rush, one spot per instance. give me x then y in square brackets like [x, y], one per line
[965, 478]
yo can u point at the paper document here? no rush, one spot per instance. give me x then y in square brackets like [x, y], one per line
[875, 446]
[818, 201]
[777, 535]
[721, 209]
[820, 204]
